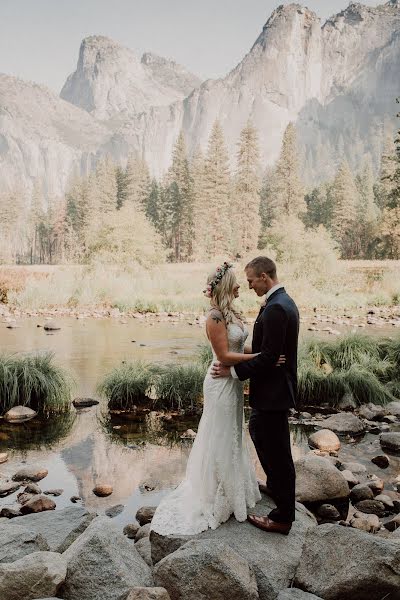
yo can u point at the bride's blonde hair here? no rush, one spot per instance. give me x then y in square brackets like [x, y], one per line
[222, 295]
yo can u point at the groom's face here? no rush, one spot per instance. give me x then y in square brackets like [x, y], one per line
[258, 283]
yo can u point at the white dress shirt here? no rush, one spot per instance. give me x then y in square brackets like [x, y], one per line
[276, 287]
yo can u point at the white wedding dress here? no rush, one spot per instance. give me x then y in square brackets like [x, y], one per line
[220, 477]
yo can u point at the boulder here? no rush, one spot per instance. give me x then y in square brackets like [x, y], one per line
[10, 512]
[51, 326]
[30, 474]
[325, 440]
[362, 491]
[19, 414]
[318, 480]
[296, 594]
[371, 507]
[327, 512]
[206, 569]
[142, 532]
[376, 484]
[145, 514]
[153, 593]
[59, 528]
[272, 557]
[143, 546]
[3, 457]
[343, 423]
[131, 530]
[36, 575]
[114, 511]
[393, 524]
[38, 504]
[390, 441]
[339, 562]
[24, 497]
[102, 490]
[32, 488]
[8, 487]
[17, 541]
[369, 523]
[84, 402]
[350, 478]
[381, 461]
[386, 501]
[103, 565]
[372, 412]
[393, 408]
[354, 467]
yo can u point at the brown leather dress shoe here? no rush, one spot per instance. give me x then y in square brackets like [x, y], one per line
[266, 524]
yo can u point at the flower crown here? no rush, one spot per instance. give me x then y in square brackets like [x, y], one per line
[219, 273]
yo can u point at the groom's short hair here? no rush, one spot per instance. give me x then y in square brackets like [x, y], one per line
[262, 264]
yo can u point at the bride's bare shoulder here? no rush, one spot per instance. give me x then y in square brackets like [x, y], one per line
[214, 315]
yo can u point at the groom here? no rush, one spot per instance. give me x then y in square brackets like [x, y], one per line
[272, 390]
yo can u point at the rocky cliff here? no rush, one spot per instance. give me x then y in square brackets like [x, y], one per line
[338, 81]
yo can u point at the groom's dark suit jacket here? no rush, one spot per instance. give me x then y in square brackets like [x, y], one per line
[276, 332]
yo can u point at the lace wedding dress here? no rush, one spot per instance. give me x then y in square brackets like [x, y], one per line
[220, 477]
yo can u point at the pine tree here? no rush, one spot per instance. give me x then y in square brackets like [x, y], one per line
[137, 181]
[245, 212]
[367, 212]
[266, 209]
[200, 212]
[344, 217]
[121, 181]
[152, 205]
[287, 190]
[35, 219]
[319, 206]
[217, 196]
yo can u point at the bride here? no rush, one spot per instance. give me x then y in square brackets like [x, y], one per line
[220, 477]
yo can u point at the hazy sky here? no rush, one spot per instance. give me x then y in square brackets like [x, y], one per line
[39, 39]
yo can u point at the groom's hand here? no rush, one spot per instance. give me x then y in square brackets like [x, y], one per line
[220, 370]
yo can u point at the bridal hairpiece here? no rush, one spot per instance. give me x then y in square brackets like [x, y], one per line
[219, 273]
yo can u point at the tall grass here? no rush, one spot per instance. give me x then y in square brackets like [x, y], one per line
[34, 381]
[365, 366]
[179, 387]
[128, 385]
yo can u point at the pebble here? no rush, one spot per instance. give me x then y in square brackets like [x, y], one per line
[114, 511]
[381, 461]
[56, 492]
[102, 490]
[131, 530]
[38, 504]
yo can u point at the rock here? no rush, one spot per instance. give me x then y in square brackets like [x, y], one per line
[51, 326]
[339, 563]
[381, 461]
[131, 530]
[296, 594]
[386, 501]
[347, 402]
[325, 440]
[84, 402]
[272, 557]
[32, 488]
[8, 487]
[154, 593]
[114, 511]
[102, 490]
[143, 532]
[393, 408]
[143, 546]
[390, 441]
[343, 423]
[390, 419]
[38, 504]
[376, 485]
[393, 524]
[23, 497]
[10, 512]
[17, 541]
[206, 569]
[145, 514]
[361, 492]
[20, 414]
[371, 507]
[36, 575]
[3, 457]
[365, 413]
[328, 512]
[55, 492]
[188, 435]
[363, 522]
[59, 528]
[306, 416]
[30, 474]
[355, 468]
[103, 565]
[317, 480]
[350, 478]
[372, 412]
[75, 499]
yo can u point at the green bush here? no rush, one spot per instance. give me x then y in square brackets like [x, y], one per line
[128, 385]
[34, 381]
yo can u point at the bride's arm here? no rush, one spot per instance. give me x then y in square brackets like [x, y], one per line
[218, 336]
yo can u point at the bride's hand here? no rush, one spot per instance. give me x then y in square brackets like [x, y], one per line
[281, 360]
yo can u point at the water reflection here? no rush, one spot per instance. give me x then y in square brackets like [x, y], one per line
[37, 434]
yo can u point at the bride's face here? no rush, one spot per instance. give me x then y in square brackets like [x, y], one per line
[236, 290]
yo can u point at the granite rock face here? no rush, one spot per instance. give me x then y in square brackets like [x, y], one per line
[337, 81]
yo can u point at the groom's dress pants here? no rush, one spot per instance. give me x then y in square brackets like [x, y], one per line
[269, 431]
